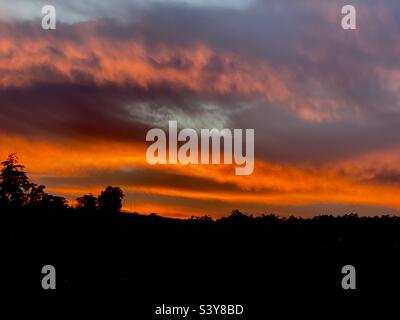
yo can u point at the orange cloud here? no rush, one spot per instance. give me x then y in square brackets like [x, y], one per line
[271, 184]
[128, 62]
[131, 62]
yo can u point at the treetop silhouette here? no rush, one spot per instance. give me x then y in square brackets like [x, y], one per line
[16, 191]
[111, 199]
[14, 183]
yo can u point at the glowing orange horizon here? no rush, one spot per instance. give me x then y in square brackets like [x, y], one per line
[271, 184]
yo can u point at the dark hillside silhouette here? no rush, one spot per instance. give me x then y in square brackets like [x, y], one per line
[148, 260]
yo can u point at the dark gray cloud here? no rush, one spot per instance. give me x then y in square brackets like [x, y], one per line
[142, 178]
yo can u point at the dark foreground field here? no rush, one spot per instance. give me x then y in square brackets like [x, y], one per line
[141, 262]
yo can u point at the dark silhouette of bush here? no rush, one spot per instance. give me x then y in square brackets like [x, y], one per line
[110, 199]
[54, 203]
[37, 195]
[88, 202]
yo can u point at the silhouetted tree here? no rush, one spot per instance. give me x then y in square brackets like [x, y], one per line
[17, 191]
[54, 202]
[111, 199]
[13, 183]
[238, 216]
[87, 202]
[202, 219]
[37, 195]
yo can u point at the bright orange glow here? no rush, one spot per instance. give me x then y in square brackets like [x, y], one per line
[270, 184]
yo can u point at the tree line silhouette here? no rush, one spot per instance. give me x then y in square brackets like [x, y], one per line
[17, 191]
[100, 253]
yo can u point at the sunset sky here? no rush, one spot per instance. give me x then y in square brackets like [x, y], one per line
[76, 102]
